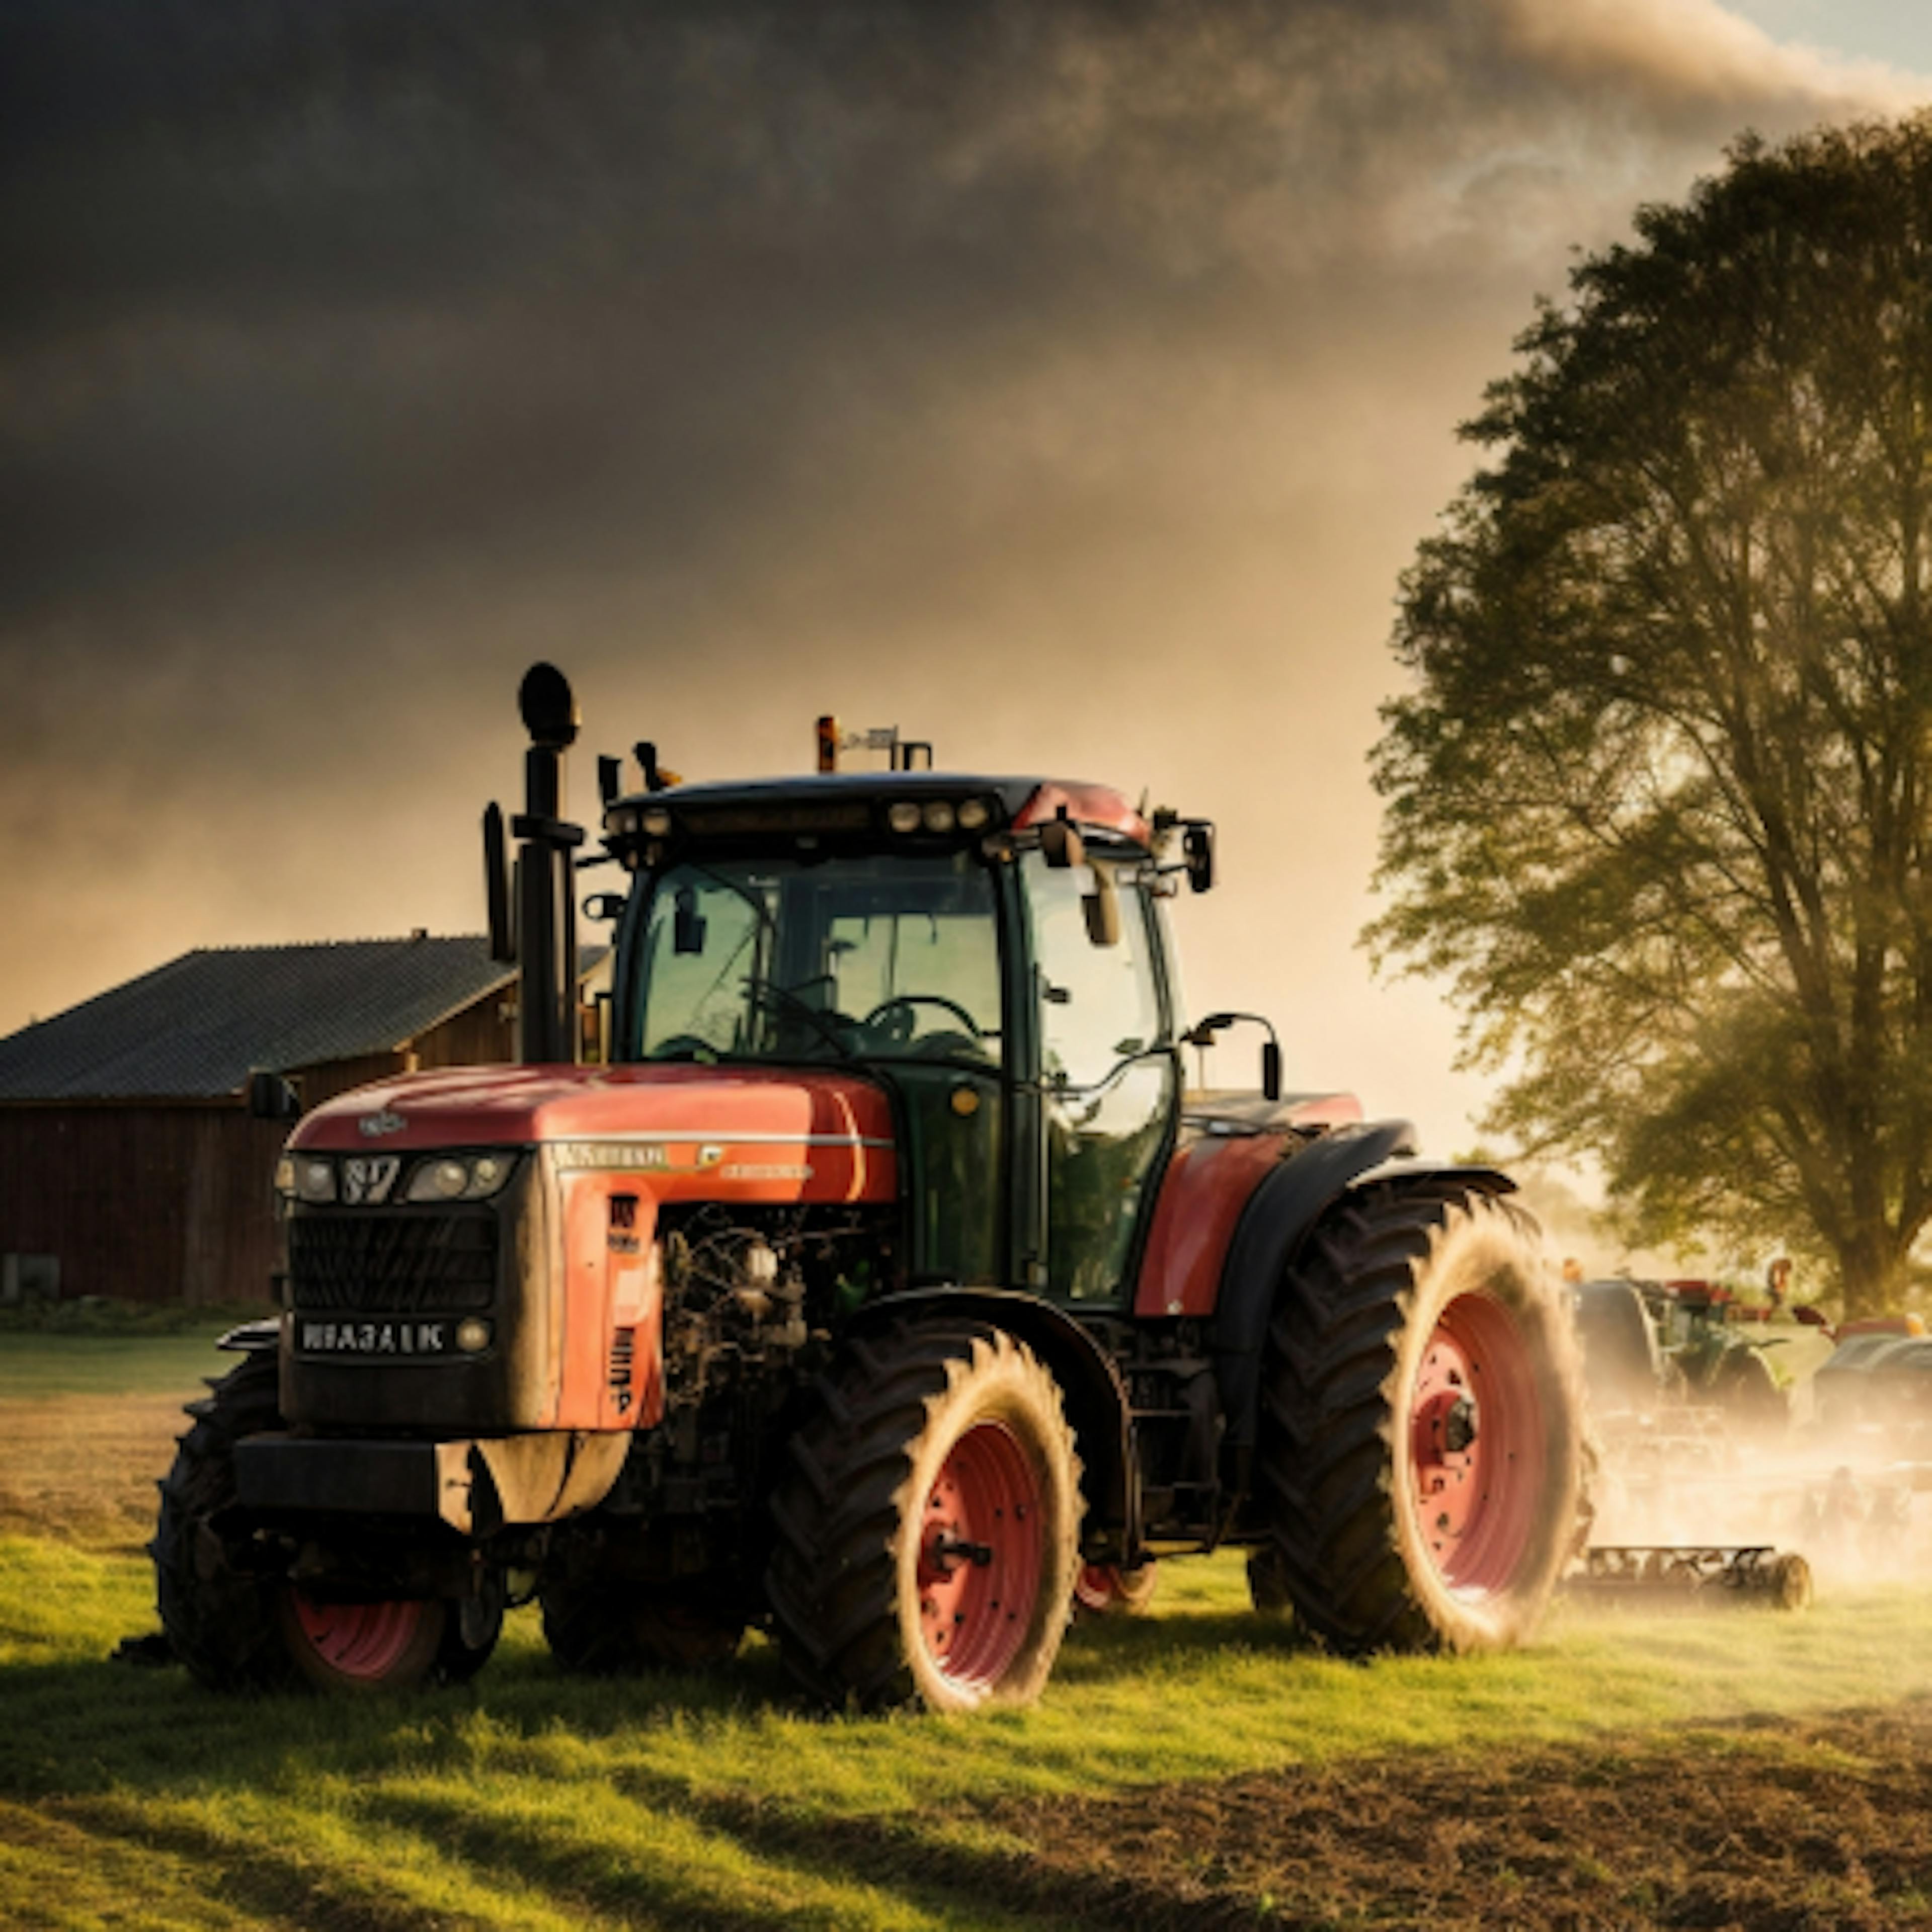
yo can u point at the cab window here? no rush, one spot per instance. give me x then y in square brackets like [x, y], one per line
[1107, 1073]
[861, 954]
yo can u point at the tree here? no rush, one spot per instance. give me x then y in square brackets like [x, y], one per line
[1658, 798]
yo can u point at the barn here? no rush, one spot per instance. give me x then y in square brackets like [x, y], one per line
[130, 1165]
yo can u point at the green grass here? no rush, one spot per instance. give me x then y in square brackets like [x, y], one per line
[37, 1365]
[128, 1798]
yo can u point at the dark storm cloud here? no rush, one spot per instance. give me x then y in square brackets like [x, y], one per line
[290, 275]
[351, 351]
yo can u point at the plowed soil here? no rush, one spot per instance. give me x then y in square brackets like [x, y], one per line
[1823, 1825]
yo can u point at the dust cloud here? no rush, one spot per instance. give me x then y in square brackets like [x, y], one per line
[1757, 1433]
[1066, 383]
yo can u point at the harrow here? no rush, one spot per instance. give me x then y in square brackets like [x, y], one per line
[1749, 1573]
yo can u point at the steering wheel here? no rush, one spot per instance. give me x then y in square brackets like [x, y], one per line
[782, 999]
[684, 1046]
[897, 1030]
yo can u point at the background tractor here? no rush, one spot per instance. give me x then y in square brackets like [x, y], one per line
[879, 1281]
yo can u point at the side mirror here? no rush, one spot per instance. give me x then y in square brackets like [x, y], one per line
[1197, 847]
[1102, 907]
[270, 1097]
[1060, 845]
[604, 905]
[1270, 1070]
[688, 925]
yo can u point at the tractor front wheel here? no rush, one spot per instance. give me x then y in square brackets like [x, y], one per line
[1106, 1590]
[238, 1625]
[219, 1614]
[928, 1525]
[1421, 1457]
[355, 1647]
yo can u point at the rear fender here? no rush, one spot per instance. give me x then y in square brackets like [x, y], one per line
[1280, 1217]
[1096, 1404]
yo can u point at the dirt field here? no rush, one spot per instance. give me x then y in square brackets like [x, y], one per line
[1818, 1826]
[82, 1468]
[1806, 1826]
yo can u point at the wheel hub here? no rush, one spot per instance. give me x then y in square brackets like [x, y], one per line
[1472, 1443]
[979, 1563]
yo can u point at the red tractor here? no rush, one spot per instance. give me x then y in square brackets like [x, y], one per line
[879, 1282]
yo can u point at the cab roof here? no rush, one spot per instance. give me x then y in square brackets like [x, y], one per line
[1023, 802]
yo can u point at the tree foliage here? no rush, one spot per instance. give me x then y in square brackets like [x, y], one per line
[1658, 799]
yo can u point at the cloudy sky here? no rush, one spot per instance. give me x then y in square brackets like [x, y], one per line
[1067, 382]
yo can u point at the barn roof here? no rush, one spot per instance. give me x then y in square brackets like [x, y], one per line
[200, 1025]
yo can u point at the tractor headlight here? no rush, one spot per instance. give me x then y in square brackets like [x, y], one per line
[655, 821]
[453, 1176]
[938, 815]
[314, 1178]
[621, 822]
[903, 816]
[974, 813]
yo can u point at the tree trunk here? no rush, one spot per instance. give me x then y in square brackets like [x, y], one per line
[1871, 1270]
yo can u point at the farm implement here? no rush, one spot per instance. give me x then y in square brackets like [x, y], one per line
[1686, 1574]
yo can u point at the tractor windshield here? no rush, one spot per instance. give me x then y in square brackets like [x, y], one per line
[866, 956]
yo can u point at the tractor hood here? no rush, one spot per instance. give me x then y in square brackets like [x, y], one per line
[727, 1108]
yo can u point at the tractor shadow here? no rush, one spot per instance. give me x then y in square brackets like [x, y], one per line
[125, 1762]
[1100, 1648]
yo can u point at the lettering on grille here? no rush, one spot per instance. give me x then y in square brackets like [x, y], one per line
[314, 1337]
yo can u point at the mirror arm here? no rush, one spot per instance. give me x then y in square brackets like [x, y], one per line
[1203, 1032]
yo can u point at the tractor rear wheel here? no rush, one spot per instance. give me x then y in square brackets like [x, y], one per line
[1421, 1456]
[928, 1525]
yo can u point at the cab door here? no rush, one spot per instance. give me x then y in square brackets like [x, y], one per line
[1109, 1078]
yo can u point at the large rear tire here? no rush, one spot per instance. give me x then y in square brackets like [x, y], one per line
[928, 1525]
[1422, 1444]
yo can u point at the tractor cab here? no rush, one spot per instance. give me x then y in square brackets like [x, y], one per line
[990, 951]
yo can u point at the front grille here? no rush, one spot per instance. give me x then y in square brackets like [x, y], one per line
[406, 1264]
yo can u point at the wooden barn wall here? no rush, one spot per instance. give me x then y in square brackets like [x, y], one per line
[478, 1036]
[482, 1035]
[172, 1201]
[146, 1201]
[328, 1078]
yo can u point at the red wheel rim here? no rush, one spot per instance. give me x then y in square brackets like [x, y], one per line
[1095, 1588]
[1475, 1445]
[364, 1641]
[980, 1557]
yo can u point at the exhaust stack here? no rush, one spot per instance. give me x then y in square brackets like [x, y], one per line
[545, 897]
